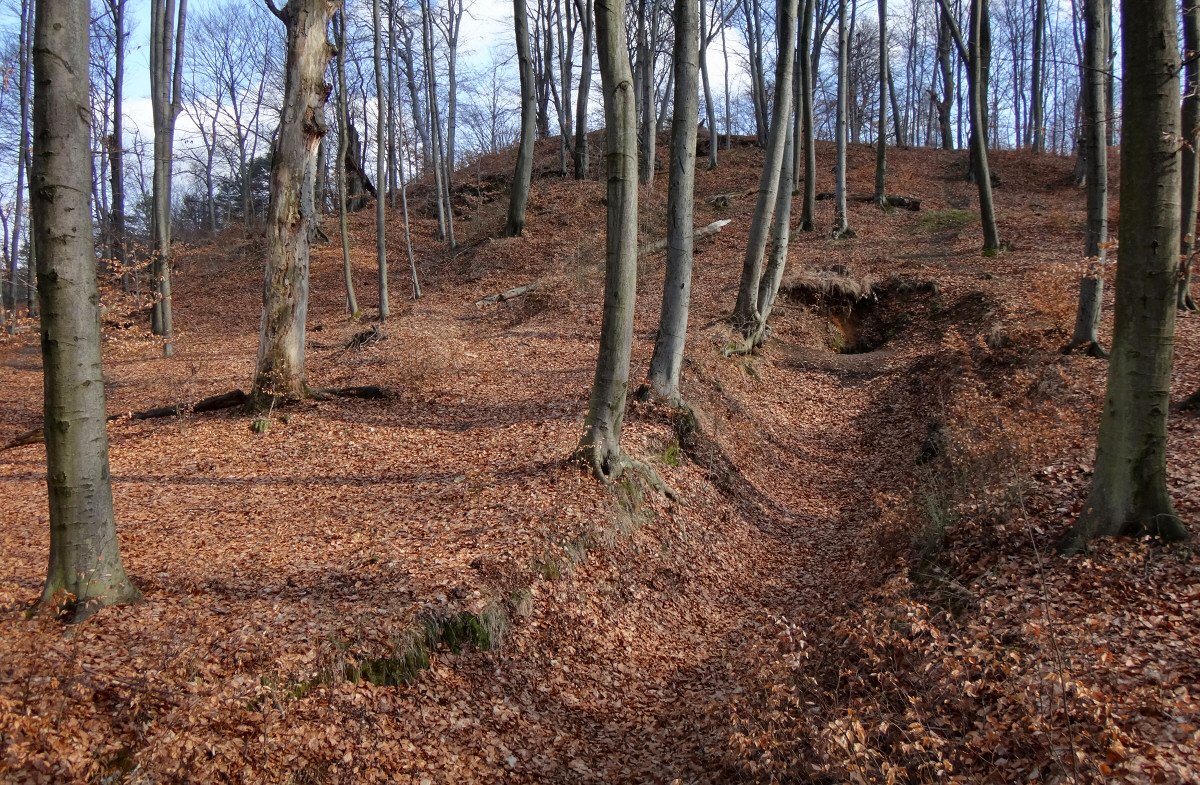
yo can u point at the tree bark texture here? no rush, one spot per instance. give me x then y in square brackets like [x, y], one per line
[667, 360]
[745, 312]
[380, 164]
[279, 369]
[339, 26]
[1190, 161]
[841, 225]
[809, 203]
[600, 447]
[524, 170]
[584, 9]
[881, 131]
[1129, 485]
[768, 286]
[85, 561]
[1036, 122]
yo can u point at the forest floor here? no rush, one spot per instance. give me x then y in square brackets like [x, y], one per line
[858, 584]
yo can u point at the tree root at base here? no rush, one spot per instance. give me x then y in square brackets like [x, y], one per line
[608, 466]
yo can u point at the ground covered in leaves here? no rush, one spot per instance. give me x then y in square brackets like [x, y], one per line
[858, 584]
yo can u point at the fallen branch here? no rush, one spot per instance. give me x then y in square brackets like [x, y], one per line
[699, 234]
[893, 200]
[511, 294]
[366, 392]
[721, 201]
[369, 336]
[211, 404]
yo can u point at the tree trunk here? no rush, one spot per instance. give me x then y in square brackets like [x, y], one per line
[435, 119]
[84, 571]
[584, 9]
[745, 312]
[1036, 121]
[1191, 161]
[768, 287]
[600, 447]
[380, 164]
[339, 27]
[117, 148]
[881, 132]
[809, 204]
[841, 225]
[23, 61]
[1129, 493]
[166, 73]
[947, 101]
[414, 95]
[710, 110]
[667, 361]
[1091, 290]
[279, 369]
[524, 170]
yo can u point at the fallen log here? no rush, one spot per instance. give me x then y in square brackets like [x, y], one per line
[721, 201]
[706, 231]
[894, 200]
[366, 392]
[211, 404]
[510, 294]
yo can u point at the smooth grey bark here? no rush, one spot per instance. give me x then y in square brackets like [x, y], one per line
[116, 152]
[166, 74]
[84, 571]
[710, 111]
[279, 368]
[667, 361]
[1129, 494]
[946, 102]
[1091, 288]
[380, 164]
[412, 261]
[584, 9]
[414, 94]
[974, 53]
[339, 27]
[646, 133]
[1037, 123]
[435, 120]
[454, 13]
[881, 131]
[515, 224]
[768, 286]
[393, 160]
[809, 202]
[24, 57]
[728, 111]
[600, 446]
[1191, 161]
[745, 312]
[841, 224]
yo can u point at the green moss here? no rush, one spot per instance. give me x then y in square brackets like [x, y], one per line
[672, 456]
[940, 220]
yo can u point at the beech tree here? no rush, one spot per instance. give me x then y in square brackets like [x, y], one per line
[380, 164]
[1091, 286]
[841, 225]
[745, 312]
[881, 131]
[583, 8]
[667, 361]
[524, 168]
[600, 446]
[85, 570]
[339, 28]
[279, 368]
[1191, 160]
[807, 75]
[1129, 493]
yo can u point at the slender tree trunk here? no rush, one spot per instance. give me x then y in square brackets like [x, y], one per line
[84, 571]
[600, 447]
[393, 160]
[978, 110]
[809, 203]
[1091, 287]
[23, 60]
[339, 26]
[710, 109]
[435, 119]
[414, 94]
[279, 369]
[117, 149]
[944, 104]
[1036, 121]
[881, 132]
[412, 261]
[728, 110]
[584, 9]
[745, 312]
[841, 224]
[1191, 161]
[380, 164]
[1129, 494]
[166, 74]
[667, 360]
[768, 286]
[524, 170]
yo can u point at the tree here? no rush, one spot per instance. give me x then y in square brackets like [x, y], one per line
[807, 75]
[85, 560]
[166, 101]
[339, 28]
[24, 55]
[1191, 159]
[841, 225]
[1129, 493]
[524, 170]
[600, 446]
[116, 145]
[380, 164]
[745, 312]
[1036, 114]
[279, 368]
[881, 132]
[667, 361]
[1095, 154]
[584, 9]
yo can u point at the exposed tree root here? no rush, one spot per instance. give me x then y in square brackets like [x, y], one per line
[891, 200]
[1190, 403]
[211, 404]
[608, 466]
[1089, 348]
